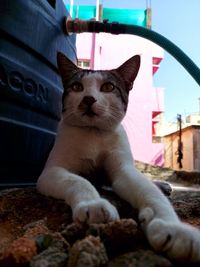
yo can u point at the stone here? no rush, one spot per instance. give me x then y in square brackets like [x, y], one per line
[51, 257]
[88, 252]
[19, 253]
[140, 258]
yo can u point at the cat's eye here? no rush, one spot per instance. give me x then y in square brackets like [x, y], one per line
[77, 87]
[107, 87]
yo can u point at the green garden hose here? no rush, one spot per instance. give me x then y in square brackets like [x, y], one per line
[80, 26]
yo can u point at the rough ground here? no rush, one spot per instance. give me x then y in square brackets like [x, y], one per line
[38, 231]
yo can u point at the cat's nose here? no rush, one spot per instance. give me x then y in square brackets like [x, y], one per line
[88, 100]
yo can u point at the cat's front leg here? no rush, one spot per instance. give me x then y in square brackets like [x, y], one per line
[165, 232]
[87, 205]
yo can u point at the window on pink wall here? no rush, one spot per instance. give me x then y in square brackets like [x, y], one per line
[84, 63]
[155, 120]
[155, 64]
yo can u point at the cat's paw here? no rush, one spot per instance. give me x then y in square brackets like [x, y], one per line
[180, 241]
[164, 187]
[95, 211]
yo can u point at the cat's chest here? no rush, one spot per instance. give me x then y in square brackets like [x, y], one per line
[82, 150]
[86, 145]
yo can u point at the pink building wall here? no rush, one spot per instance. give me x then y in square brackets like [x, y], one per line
[111, 51]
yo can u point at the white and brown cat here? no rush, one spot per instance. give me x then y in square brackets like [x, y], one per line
[91, 137]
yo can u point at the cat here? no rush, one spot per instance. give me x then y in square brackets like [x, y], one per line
[90, 137]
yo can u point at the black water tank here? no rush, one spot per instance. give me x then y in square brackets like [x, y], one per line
[30, 88]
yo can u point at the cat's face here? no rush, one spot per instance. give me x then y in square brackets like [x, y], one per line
[96, 98]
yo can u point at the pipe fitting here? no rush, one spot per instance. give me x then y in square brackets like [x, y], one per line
[75, 25]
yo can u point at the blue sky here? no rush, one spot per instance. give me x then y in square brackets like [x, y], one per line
[178, 21]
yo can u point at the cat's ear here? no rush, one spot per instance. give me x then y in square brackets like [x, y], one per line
[129, 70]
[65, 66]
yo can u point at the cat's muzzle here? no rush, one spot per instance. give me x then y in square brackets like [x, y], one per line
[86, 106]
